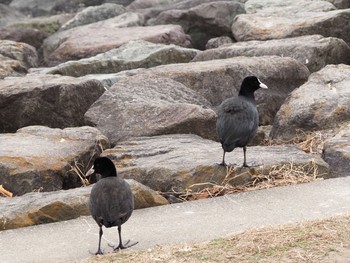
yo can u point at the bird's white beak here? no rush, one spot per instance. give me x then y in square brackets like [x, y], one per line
[90, 172]
[262, 85]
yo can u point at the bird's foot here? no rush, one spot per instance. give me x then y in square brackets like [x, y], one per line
[252, 165]
[98, 252]
[121, 246]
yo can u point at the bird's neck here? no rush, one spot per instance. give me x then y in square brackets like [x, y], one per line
[247, 95]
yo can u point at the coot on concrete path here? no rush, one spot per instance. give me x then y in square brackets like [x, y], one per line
[111, 200]
[238, 118]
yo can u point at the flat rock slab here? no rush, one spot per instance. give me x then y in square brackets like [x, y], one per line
[314, 51]
[336, 152]
[47, 207]
[287, 6]
[134, 54]
[321, 103]
[38, 158]
[175, 162]
[272, 26]
[77, 43]
[151, 105]
[49, 100]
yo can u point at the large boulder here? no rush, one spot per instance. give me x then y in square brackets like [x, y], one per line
[261, 26]
[94, 14]
[176, 162]
[16, 58]
[38, 158]
[287, 6]
[145, 106]
[49, 100]
[8, 14]
[219, 79]
[46, 207]
[33, 37]
[336, 152]
[132, 55]
[49, 7]
[204, 21]
[77, 43]
[321, 103]
[314, 51]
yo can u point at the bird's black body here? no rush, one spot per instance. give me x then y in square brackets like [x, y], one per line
[111, 200]
[238, 118]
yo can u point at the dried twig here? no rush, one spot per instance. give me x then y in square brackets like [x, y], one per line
[5, 192]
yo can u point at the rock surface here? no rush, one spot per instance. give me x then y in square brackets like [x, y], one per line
[16, 58]
[54, 101]
[175, 162]
[76, 43]
[134, 54]
[47, 207]
[287, 6]
[203, 21]
[94, 14]
[38, 158]
[321, 103]
[145, 106]
[314, 51]
[336, 152]
[275, 26]
[217, 80]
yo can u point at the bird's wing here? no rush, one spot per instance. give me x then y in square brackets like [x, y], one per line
[237, 120]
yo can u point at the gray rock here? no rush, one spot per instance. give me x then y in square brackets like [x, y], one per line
[314, 51]
[204, 21]
[273, 26]
[49, 100]
[8, 14]
[175, 162]
[119, 2]
[16, 58]
[47, 24]
[219, 79]
[145, 106]
[93, 14]
[336, 152]
[218, 41]
[50, 7]
[47, 207]
[134, 54]
[321, 103]
[38, 158]
[77, 43]
[29, 36]
[340, 4]
[287, 6]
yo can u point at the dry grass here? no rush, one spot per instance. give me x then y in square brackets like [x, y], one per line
[321, 241]
[277, 175]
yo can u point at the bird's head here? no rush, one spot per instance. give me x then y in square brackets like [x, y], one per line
[104, 167]
[249, 85]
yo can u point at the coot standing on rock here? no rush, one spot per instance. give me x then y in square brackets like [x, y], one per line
[238, 118]
[111, 200]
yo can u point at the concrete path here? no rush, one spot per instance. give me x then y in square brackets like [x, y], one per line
[72, 240]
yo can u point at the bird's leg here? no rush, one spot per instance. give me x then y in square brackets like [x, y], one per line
[223, 160]
[121, 246]
[99, 251]
[245, 160]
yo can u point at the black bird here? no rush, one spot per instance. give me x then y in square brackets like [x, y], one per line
[238, 118]
[111, 200]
